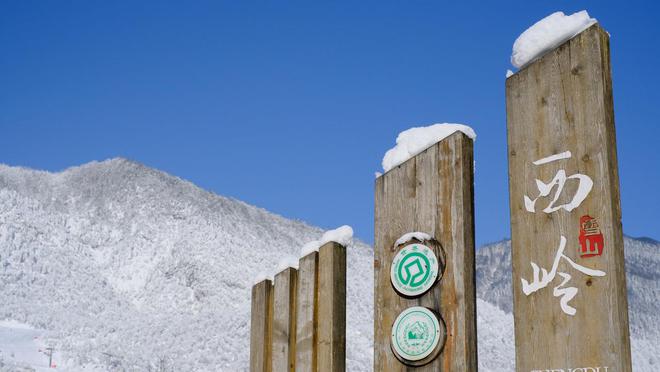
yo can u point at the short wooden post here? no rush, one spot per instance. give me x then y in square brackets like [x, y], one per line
[284, 321]
[569, 285]
[307, 313]
[431, 193]
[261, 314]
[332, 308]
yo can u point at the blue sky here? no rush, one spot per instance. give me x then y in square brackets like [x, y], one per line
[290, 106]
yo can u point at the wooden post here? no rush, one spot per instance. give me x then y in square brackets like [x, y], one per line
[565, 212]
[332, 308]
[431, 193]
[307, 313]
[284, 321]
[261, 314]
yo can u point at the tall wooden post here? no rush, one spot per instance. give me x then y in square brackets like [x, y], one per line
[332, 308]
[261, 315]
[570, 304]
[430, 193]
[307, 313]
[284, 321]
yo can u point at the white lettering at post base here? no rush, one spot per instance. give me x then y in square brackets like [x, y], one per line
[579, 369]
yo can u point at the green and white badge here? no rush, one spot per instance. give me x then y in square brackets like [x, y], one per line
[414, 270]
[417, 334]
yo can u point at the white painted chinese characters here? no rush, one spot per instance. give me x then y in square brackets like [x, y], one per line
[566, 293]
[560, 179]
[541, 281]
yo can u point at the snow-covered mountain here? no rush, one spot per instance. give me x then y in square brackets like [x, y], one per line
[125, 268]
[129, 268]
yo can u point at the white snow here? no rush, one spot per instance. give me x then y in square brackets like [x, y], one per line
[421, 236]
[342, 235]
[495, 346]
[310, 247]
[509, 73]
[23, 348]
[287, 262]
[547, 34]
[415, 140]
[10, 323]
[261, 277]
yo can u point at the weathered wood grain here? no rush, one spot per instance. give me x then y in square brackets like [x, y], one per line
[284, 320]
[563, 102]
[332, 308]
[261, 314]
[307, 313]
[432, 193]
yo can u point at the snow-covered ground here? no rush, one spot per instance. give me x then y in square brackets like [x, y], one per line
[23, 348]
[131, 269]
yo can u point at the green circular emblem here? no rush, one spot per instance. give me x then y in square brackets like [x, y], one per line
[414, 270]
[416, 334]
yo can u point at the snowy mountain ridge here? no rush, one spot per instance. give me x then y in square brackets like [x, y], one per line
[127, 268]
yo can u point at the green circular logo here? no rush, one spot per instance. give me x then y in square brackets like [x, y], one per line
[414, 270]
[416, 333]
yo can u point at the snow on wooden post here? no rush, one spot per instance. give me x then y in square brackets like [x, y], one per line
[261, 315]
[284, 320]
[331, 345]
[307, 313]
[570, 304]
[430, 193]
[299, 322]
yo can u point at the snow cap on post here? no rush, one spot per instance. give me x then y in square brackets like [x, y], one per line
[342, 235]
[310, 247]
[415, 140]
[261, 277]
[547, 34]
[285, 263]
[405, 238]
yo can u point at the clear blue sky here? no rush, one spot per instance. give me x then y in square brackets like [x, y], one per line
[290, 106]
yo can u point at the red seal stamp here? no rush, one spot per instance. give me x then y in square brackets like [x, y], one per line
[591, 239]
